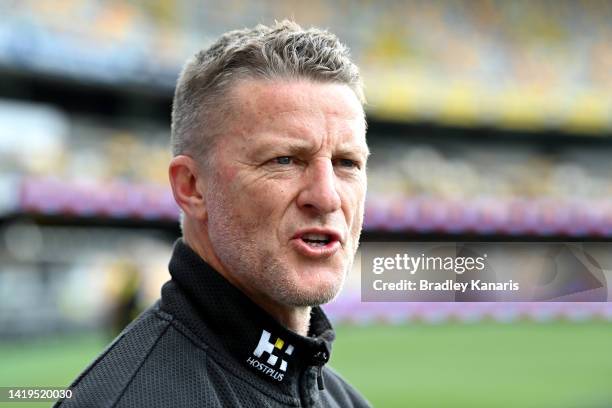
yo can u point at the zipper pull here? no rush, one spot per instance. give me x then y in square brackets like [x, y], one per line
[320, 382]
[320, 359]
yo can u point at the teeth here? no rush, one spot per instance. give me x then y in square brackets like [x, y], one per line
[315, 237]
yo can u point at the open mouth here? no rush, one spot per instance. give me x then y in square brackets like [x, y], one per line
[317, 243]
[316, 240]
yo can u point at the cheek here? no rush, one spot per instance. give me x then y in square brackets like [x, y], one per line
[354, 202]
[259, 204]
[356, 224]
[225, 173]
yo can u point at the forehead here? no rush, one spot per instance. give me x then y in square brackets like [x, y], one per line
[298, 93]
[296, 103]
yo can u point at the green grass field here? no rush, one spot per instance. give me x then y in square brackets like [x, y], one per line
[561, 365]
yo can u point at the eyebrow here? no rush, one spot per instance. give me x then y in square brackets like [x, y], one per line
[295, 145]
[350, 148]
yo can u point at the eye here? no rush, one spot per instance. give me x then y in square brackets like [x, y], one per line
[283, 160]
[348, 163]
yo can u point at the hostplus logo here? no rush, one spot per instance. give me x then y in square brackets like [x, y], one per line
[274, 352]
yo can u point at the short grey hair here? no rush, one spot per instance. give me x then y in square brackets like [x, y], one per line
[282, 51]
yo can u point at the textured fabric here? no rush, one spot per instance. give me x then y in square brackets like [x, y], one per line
[205, 344]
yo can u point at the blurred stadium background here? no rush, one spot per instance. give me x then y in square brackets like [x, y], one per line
[488, 119]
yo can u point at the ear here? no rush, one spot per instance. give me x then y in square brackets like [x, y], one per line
[188, 187]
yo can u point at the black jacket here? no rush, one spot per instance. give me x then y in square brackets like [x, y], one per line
[205, 344]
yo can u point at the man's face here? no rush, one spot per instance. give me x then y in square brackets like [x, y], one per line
[286, 189]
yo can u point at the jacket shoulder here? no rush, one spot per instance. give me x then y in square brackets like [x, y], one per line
[341, 392]
[144, 366]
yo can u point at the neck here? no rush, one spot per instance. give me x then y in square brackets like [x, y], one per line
[294, 318]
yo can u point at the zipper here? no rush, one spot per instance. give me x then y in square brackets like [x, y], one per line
[320, 381]
[320, 358]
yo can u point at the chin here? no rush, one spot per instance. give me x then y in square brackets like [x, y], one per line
[308, 283]
[311, 298]
[314, 292]
[317, 275]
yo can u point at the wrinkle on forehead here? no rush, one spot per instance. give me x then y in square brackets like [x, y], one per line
[275, 97]
[322, 113]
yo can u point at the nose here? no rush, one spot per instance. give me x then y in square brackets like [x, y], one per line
[319, 192]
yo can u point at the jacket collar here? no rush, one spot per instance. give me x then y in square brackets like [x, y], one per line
[248, 333]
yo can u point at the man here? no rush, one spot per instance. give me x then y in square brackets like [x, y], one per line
[268, 137]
